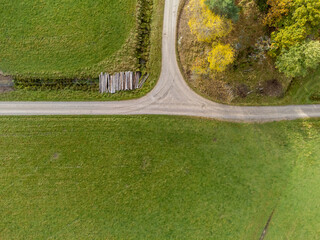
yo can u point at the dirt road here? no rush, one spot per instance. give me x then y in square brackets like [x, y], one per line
[171, 96]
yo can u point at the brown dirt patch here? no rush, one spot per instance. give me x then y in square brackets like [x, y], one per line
[6, 83]
[243, 90]
[5, 80]
[272, 88]
[6, 89]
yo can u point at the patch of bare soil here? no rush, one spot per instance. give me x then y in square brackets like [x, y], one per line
[6, 83]
[272, 88]
[243, 90]
[6, 89]
[5, 80]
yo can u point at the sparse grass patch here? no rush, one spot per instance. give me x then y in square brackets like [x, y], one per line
[156, 177]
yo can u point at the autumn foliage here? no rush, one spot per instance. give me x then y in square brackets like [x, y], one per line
[210, 27]
[294, 21]
[220, 57]
[278, 10]
[206, 25]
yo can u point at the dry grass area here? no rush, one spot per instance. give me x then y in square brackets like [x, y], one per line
[253, 72]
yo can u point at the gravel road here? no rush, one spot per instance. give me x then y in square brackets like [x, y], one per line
[171, 95]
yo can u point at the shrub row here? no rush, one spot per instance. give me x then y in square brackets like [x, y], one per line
[143, 29]
[56, 84]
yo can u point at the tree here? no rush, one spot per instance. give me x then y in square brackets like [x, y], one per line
[220, 57]
[206, 25]
[299, 59]
[226, 8]
[262, 5]
[278, 10]
[294, 20]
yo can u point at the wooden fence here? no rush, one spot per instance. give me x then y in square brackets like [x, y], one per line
[120, 81]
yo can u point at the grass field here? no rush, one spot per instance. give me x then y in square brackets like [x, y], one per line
[66, 39]
[157, 177]
[153, 67]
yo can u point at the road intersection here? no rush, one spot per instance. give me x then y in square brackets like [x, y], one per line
[171, 95]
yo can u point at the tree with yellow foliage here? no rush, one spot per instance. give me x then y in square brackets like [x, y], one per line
[220, 57]
[209, 27]
[294, 21]
[206, 25]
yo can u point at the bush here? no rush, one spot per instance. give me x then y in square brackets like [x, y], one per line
[206, 25]
[263, 5]
[57, 84]
[294, 20]
[220, 57]
[226, 8]
[299, 59]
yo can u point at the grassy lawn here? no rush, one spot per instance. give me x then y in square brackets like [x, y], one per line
[66, 39]
[119, 63]
[157, 177]
[298, 213]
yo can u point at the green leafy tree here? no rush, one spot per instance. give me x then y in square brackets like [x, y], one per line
[294, 21]
[226, 8]
[299, 59]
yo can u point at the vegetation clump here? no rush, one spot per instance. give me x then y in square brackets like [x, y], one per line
[299, 59]
[226, 8]
[210, 27]
[265, 41]
[220, 57]
[206, 25]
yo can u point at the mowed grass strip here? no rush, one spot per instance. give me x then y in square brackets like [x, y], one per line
[61, 39]
[157, 177]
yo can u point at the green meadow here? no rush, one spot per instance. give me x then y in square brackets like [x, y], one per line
[66, 39]
[158, 177]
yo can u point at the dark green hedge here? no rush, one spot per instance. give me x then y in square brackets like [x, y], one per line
[56, 84]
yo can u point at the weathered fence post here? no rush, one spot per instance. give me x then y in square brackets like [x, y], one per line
[130, 80]
[100, 83]
[121, 81]
[126, 87]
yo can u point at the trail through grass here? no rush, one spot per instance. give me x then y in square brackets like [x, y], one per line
[157, 177]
